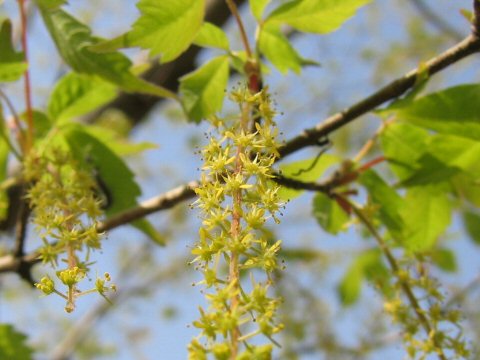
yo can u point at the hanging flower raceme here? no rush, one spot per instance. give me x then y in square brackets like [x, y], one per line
[236, 198]
[66, 211]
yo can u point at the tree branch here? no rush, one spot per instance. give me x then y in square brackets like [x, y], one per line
[476, 18]
[309, 137]
[393, 90]
[158, 203]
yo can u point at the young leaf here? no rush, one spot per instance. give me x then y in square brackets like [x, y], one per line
[350, 286]
[166, 28]
[367, 265]
[42, 122]
[76, 94]
[51, 4]
[331, 217]
[454, 111]
[211, 35]
[73, 40]
[456, 151]
[258, 7]
[430, 171]
[113, 174]
[389, 202]
[148, 229]
[277, 49]
[203, 90]
[119, 145]
[426, 215]
[403, 144]
[471, 221]
[444, 259]
[12, 64]
[294, 170]
[467, 187]
[12, 344]
[315, 16]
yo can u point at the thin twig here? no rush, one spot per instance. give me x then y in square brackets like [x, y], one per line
[476, 18]
[367, 147]
[28, 89]
[158, 203]
[77, 333]
[404, 285]
[243, 34]
[24, 268]
[21, 228]
[393, 90]
[309, 137]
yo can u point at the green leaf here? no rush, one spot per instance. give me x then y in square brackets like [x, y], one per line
[315, 16]
[238, 61]
[73, 40]
[76, 94]
[445, 259]
[42, 122]
[456, 151]
[113, 174]
[12, 344]
[350, 287]
[468, 15]
[277, 49]
[119, 145]
[467, 187]
[426, 214]
[112, 170]
[148, 229]
[331, 217]
[389, 202]
[303, 255]
[292, 170]
[12, 64]
[166, 28]
[367, 265]
[430, 171]
[202, 91]
[51, 4]
[211, 35]
[258, 7]
[403, 145]
[471, 221]
[454, 111]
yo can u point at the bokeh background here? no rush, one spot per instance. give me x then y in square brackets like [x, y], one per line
[156, 301]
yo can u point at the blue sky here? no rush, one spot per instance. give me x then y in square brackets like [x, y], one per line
[343, 78]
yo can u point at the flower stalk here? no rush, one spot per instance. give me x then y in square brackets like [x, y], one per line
[236, 198]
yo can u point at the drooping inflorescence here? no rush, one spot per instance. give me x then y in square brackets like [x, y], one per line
[431, 315]
[236, 197]
[66, 213]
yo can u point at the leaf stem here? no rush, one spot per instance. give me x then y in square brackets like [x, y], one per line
[28, 91]
[234, 10]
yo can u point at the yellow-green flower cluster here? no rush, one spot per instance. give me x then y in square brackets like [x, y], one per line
[236, 197]
[66, 211]
[440, 323]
